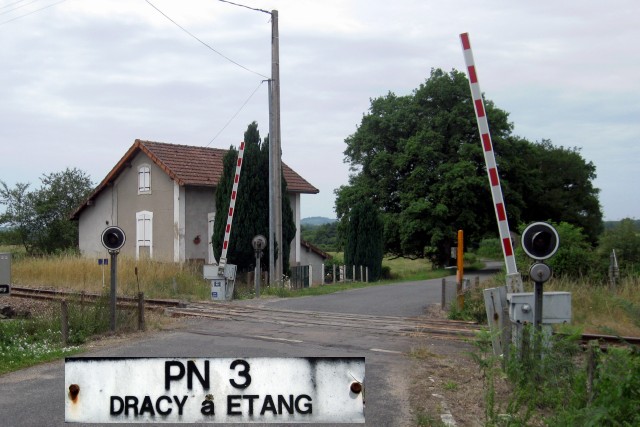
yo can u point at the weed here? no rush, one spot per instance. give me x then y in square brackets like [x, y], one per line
[28, 341]
[450, 385]
[426, 420]
[422, 353]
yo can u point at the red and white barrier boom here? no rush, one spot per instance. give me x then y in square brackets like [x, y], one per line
[232, 206]
[514, 281]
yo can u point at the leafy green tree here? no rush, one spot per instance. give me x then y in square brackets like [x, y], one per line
[323, 236]
[561, 188]
[41, 217]
[419, 160]
[625, 239]
[364, 242]
[251, 216]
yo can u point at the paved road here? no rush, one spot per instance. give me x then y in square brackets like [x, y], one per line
[35, 396]
[400, 299]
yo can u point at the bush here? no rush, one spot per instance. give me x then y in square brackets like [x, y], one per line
[575, 257]
[490, 248]
[473, 310]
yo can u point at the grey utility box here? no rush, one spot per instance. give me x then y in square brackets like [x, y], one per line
[556, 307]
[221, 284]
[5, 273]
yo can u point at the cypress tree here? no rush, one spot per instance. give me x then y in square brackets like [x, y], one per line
[251, 216]
[365, 242]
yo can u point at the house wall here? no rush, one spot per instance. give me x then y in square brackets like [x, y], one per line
[200, 201]
[308, 257]
[159, 201]
[93, 221]
[294, 255]
[179, 215]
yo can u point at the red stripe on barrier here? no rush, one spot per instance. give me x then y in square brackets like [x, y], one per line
[228, 228]
[236, 179]
[242, 146]
[465, 41]
[508, 250]
[225, 244]
[502, 215]
[486, 141]
[479, 107]
[493, 177]
[233, 195]
[472, 74]
[230, 211]
[239, 161]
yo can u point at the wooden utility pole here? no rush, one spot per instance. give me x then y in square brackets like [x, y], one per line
[275, 159]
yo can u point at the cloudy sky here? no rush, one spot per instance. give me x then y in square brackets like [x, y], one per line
[80, 80]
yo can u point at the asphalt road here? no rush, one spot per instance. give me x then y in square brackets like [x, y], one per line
[35, 396]
[399, 299]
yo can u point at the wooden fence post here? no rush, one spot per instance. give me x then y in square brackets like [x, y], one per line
[64, 322]
[141, 322]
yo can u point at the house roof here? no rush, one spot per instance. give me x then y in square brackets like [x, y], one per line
[310, 247]
[188, 166]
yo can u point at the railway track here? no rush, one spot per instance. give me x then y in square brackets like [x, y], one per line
[372, 324]
[416, 326]
[55, 294]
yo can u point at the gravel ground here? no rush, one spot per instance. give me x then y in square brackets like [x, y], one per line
[11, 307]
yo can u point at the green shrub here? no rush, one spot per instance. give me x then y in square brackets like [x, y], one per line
[490, 248]
[473, 309]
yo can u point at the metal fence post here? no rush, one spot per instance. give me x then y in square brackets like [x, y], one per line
[443, 294]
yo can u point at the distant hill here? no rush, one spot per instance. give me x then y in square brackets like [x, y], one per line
[316, 220]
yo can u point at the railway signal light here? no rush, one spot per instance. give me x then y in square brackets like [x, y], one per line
[540, 241]
[113, 238]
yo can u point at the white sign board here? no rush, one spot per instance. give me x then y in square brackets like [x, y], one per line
[220, 390]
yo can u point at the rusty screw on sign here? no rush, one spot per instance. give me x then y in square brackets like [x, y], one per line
[74, 389]
[356, 387]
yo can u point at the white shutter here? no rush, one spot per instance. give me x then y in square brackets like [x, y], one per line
[144, 232]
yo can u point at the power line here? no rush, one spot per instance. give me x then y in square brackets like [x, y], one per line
[11, 4]
[17, 7]
[31, 13]
[246, 7]
[237, 112]
[203, 43]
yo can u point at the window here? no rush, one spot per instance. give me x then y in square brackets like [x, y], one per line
[144, 234]
[144, 179]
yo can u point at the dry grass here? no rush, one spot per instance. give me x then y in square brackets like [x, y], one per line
[598, 310]
[155, 279]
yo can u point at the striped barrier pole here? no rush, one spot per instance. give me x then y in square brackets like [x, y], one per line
[232, 206]
[514, 281]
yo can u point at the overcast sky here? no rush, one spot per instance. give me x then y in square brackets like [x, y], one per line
[82, 79]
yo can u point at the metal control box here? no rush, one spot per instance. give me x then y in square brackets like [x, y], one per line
[221, 284]
[5, 273]
[556, 307]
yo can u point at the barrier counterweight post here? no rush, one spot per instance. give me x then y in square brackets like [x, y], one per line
[514, 281]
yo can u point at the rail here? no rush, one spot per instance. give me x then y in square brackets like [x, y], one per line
[56, 294]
